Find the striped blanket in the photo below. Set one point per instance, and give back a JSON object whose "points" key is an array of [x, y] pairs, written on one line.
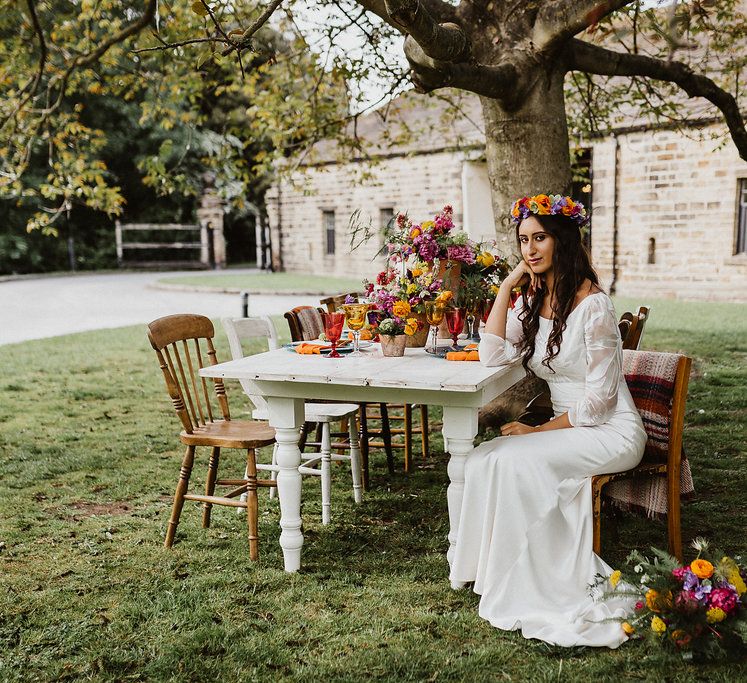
{"points": [[650, 377]]}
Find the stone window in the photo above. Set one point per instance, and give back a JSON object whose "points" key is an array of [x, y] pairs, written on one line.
{"points": [[652, 249], [741, 246], [328, 221], [385, 215]]}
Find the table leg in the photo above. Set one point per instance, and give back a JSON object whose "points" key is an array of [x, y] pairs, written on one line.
{"points": [[287, 416], [460, 429]]}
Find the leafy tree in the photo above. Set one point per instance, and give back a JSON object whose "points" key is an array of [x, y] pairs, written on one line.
{"points": [[521, 58]]}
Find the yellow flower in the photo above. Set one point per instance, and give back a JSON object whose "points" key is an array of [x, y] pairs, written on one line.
{"points": [[658, 625], [415, 232], [627, 628], [730, 570], [417, 272], [427, 225], [494, 289], [411, 326], [445, 296], [401, 309], [411, 288], [714, 615], [615, 577], [485, 259], [703, 569], [652, 600]]}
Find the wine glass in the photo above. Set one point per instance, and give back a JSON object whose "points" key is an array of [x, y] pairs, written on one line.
{"points": [[434, 314], [474, 306], [455, 323], [333, 323], [355, 314]]}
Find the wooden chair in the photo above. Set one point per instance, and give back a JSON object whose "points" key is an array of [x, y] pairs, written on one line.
{"points": [[658, 383], [183, 345], [305, 323], [632, 340], [392, 413], [315, 464]]}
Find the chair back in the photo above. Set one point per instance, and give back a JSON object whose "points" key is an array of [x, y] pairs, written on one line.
{"points": [[305, 323], [624, 327], [184, 344], [632, 339], [239, 330], [658, 384], [334, 302]]}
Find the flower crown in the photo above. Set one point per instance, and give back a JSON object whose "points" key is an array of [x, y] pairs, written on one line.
{"points": [[548, 205]]}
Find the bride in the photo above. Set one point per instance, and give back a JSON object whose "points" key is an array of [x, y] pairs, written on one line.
{"points": [[525, 531]]}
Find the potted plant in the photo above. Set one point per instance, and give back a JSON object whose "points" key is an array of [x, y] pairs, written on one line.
{"points": [[394, 333]]}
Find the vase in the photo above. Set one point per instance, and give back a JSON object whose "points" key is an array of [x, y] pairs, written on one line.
{"points": [[393, 345], [419, 339]]}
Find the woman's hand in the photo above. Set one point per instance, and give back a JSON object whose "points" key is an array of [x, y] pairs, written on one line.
{"points": [[516, 428], [521, 274]]}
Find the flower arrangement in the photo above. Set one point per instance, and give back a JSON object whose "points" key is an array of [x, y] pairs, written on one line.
{"points": [[696, 609], [396, 325], [549, 205], [415, 287]]}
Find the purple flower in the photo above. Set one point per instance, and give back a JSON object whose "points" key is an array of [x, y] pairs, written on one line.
{"points": [[427, 248], [349, 299], [724, 598], [461, 253], [686, 602], [701, 594], [690, 581]]}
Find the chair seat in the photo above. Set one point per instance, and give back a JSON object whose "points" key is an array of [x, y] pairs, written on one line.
{"points": [[317, 412], [231, 434]]}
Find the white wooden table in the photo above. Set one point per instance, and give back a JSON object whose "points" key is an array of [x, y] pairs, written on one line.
{"points": [[285, 379]]}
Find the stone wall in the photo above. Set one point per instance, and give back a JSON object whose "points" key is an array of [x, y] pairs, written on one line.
{"points": [[682, 193], [419, 185]]}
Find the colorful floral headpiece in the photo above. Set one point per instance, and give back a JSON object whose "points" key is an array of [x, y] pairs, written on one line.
{"points": [[549, 205]]}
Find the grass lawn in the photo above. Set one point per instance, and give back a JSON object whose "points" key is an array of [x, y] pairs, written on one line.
{"points": [[88, 462], [272, 283]]}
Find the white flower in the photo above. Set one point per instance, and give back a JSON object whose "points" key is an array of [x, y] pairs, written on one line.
{"points": [[645, 578], [638, 569], [700, 544]]}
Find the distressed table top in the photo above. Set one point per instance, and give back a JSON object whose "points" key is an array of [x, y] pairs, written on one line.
{"points": [[416, 370]]}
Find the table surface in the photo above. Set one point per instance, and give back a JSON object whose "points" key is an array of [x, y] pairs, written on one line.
{"points": [[415, 370]]}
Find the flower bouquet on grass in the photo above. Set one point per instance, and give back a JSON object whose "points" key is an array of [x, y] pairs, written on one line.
{"points": [[696, 610]]}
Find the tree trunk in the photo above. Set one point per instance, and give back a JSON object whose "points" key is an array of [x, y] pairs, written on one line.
{"points": [[527, 150], [527, 153]]}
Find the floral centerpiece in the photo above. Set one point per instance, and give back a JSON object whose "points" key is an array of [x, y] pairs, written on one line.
{"points": [[695, 609]]}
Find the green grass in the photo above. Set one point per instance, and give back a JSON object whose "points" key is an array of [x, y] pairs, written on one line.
{"points": [[88, 461], [277, 283]]}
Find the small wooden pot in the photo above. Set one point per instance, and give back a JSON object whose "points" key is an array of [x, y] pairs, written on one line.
{"points": [[393, 345]]}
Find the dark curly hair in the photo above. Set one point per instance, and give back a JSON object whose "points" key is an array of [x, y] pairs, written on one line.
{"points": [[571, 266]]}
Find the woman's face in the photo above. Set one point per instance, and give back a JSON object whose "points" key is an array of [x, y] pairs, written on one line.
{"points": [[537, 245]]}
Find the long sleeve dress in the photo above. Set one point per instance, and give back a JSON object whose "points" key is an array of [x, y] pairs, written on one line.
{"points": [[525, 530]]}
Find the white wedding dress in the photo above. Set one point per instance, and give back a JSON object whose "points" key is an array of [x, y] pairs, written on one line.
{"points": [[525, 530]]}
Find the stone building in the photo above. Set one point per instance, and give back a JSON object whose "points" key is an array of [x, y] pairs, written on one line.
{"points": [[669, 211]]}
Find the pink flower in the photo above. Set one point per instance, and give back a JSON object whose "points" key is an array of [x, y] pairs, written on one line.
{"points": [[686, 601], [724, 598], [639, 605], [461, 253], [679, 573]]}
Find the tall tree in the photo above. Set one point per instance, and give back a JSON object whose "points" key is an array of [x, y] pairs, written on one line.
{"points": [[514, 55]]}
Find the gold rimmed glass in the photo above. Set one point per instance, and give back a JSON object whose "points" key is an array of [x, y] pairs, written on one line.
{"points": [[355, 316], [434, 314]]}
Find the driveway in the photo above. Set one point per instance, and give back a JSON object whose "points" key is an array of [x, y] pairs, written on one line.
{"points": [[51, 306]]}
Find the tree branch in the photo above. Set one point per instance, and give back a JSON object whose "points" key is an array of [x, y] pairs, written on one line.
{"points": [[598, 60], [560, 20], [445, 42]]}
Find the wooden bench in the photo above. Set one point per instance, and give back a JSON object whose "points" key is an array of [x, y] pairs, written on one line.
{"points": [[179, 229]]}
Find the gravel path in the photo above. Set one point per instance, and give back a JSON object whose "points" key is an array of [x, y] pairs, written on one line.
{"points": [[51, 306]]}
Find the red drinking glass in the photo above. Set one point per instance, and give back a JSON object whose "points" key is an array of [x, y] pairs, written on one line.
{"points": [[455, 323], [333, 323]]}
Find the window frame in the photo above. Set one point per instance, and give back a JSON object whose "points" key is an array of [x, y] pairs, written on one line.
{"points": [[329, 232]]}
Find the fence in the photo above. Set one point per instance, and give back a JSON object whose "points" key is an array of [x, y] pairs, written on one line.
{"points": [[203, 245]]}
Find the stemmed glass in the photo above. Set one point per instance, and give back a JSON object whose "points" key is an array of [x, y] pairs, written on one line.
{"points": [[474, 307], [455, 323], [333, 323], [355, 314], [434, 314]]}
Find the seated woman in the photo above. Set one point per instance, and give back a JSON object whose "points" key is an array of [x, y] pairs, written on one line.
{"points": [[525, 532]]}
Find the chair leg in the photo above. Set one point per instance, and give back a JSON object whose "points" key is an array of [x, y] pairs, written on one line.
{"points": [[326, 452], [387, 437], [424, 435], [596, 503], [673, 515], [304, 436], [408, 436], [212, 475], [274, 489], [252, 504], [181, 489], [363, 433], [355, 459]]}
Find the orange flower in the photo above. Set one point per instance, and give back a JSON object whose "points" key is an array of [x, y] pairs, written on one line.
{"points": [[401, 309], [568, 208], [627, 628], [415, 232], [543, 202], [703, 569], [417, 272]]}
